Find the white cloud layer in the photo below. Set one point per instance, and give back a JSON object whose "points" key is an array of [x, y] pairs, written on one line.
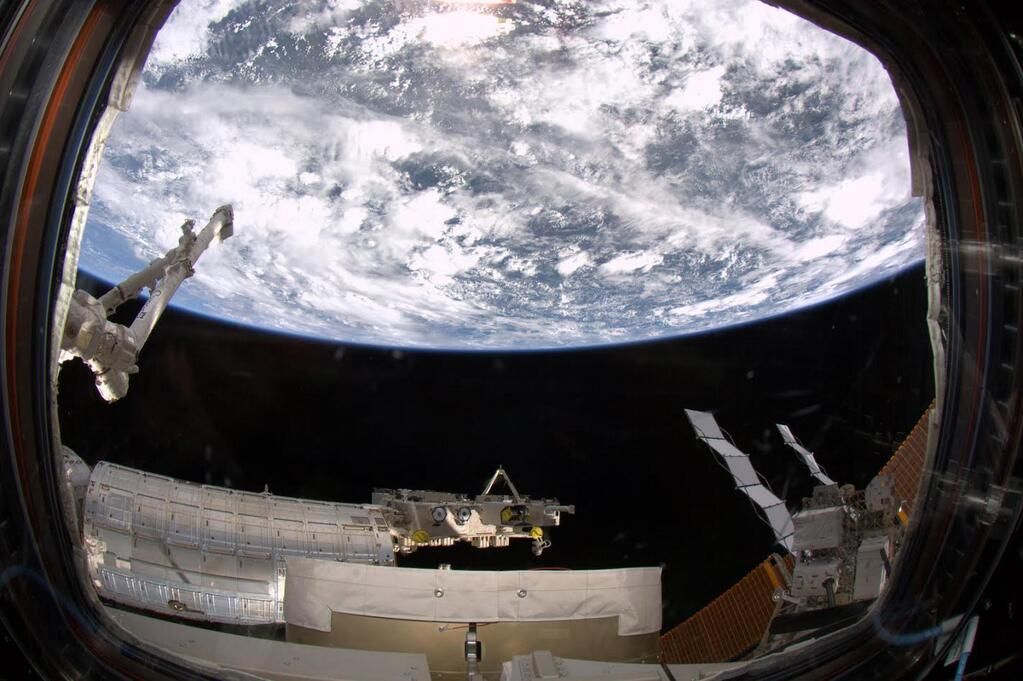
{"points": [[528, 176]]}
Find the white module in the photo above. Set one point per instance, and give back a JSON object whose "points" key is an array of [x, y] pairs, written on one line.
{"points": [[820, 528], [871, 573], [211, 553]]}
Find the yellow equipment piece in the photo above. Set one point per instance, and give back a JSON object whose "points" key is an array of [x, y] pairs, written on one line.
{"points": [[421, 537], [536, 533]]}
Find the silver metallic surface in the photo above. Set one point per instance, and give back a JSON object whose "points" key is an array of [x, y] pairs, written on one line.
{"points": [[871, 574], [820, 528], [808, 578], [211, 553], [473, 649]]}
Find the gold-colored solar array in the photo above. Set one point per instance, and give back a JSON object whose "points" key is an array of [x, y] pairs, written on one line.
{"points": [[731, 624], [735, 622], [906, 466]]}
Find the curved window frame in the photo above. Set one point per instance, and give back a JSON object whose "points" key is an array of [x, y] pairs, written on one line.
{"points": [[71, 67]]}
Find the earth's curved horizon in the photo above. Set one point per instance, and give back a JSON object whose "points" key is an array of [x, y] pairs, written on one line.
{"points": [[520, 350], [539, 175]]}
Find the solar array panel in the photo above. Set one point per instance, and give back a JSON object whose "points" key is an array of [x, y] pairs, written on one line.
{"points": [[732, 624], [806, 455], [746, 479]]}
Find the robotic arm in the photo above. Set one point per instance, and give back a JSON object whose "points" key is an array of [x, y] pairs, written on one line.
{"points": [[111, 350]]}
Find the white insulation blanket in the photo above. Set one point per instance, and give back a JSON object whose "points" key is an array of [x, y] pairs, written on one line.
{"points": [[316, 588]]}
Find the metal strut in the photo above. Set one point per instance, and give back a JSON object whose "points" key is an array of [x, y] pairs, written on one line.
{"points": [[473, 654], [501, 473]]}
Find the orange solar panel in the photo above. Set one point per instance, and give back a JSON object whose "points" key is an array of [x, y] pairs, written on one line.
{"points": [[906, 466], [732, 623]]}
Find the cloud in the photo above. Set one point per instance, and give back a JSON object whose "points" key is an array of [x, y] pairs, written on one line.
{"points": [[876, 182], [514, 177], [186, 34], [570, 264], [627, 263], [701, 90]]}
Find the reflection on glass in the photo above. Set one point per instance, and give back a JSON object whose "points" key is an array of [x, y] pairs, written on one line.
{"points": [[414, 180]]}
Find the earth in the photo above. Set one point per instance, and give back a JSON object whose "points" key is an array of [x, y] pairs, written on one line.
{"points": [[508, 175]]}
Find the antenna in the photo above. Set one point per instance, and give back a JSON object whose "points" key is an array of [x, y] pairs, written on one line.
{"points": [[806, 455], [746, 479]]}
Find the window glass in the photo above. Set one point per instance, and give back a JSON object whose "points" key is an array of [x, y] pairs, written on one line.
{"points": [[545, 291]]}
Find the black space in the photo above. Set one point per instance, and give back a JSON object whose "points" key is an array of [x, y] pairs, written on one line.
{"points": [[602, 429]]}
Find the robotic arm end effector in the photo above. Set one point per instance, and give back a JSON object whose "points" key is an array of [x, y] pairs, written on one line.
{"points": [[110, 349]]}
